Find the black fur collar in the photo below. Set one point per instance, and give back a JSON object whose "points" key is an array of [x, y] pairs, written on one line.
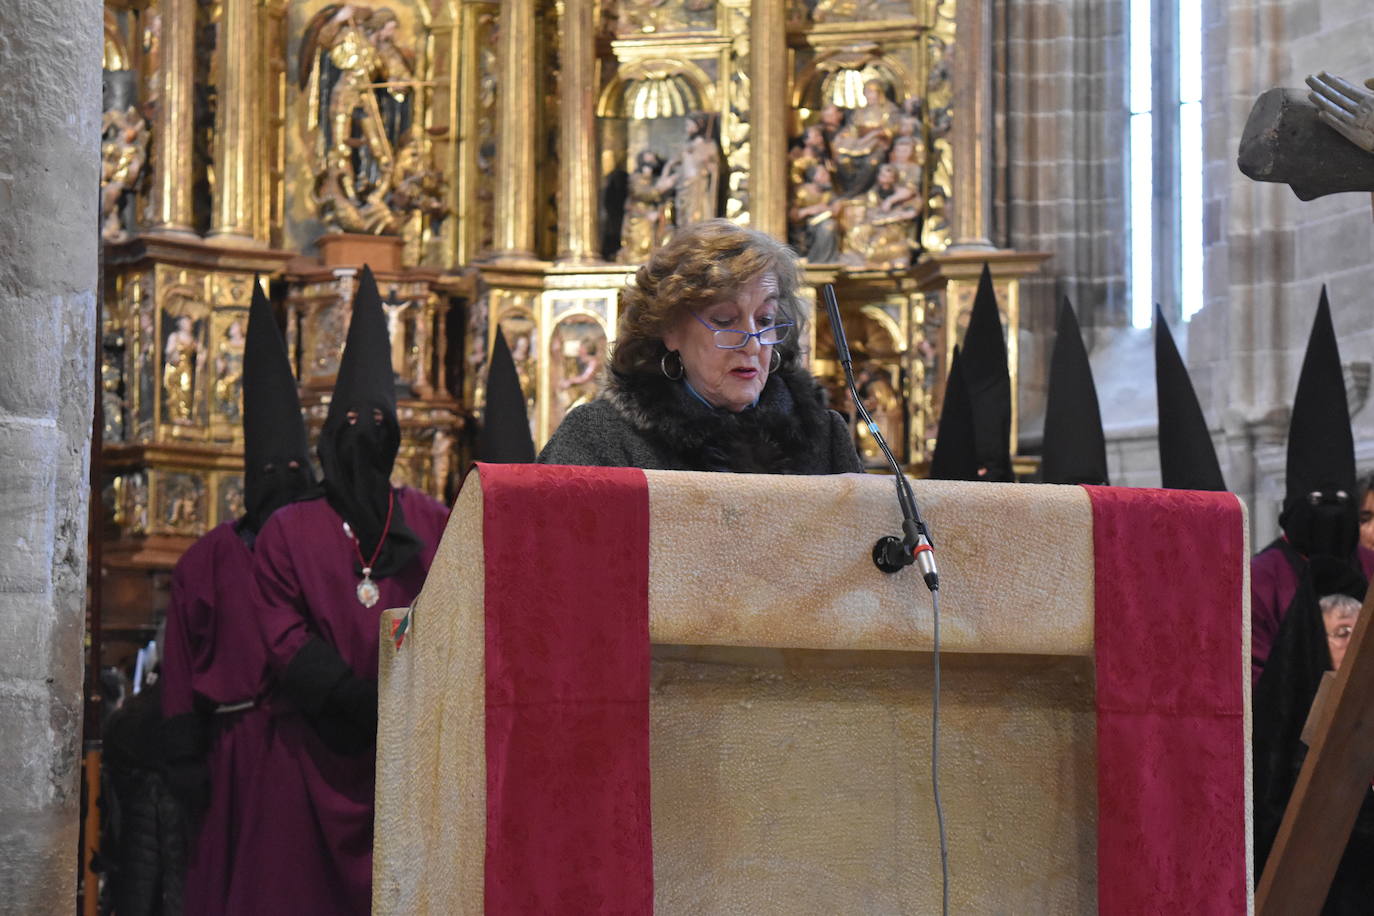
{"points": [[781, 435]]}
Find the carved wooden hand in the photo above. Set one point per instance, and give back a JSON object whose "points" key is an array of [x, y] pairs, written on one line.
{"points": [[1345, 107]]}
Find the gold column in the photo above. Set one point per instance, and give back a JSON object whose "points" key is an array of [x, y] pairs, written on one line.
{"points": [[577, 241], [234, 208], [172, 145], [971, 134], [517, 109], [768, 117]]}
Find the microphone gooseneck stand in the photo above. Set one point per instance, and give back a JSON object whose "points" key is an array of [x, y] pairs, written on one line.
{"points": [[892, 553]]}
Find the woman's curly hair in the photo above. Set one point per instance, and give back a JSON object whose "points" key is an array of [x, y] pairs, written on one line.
{"points": [[702, 264]]}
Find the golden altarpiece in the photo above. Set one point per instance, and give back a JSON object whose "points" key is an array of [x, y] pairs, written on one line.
{"points": [[503, 167]]}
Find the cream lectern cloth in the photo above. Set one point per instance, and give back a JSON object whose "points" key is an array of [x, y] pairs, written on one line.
{"points": [[790, 704]]}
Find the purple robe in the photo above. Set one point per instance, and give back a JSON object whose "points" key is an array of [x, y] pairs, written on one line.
{"points": [[1272, 586], [316, 832], [213, 658]]}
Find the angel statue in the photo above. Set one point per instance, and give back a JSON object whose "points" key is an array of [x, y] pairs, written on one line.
{"points": [[361, 87]]}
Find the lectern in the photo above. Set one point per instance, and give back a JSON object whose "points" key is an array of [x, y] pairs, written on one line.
{"points": [[626, 691]]}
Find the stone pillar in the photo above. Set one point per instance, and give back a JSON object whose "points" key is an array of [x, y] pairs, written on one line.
{"points": [[972, 130], [172, 142], [577, 178], [517, 111], [50, 131], [237, 126], [768, 117]]}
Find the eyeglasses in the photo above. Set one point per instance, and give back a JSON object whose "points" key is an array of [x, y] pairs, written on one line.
{"points": [[727, 339]]}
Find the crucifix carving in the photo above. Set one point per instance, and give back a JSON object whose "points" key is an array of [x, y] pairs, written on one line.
{"points": [[395, 306]]}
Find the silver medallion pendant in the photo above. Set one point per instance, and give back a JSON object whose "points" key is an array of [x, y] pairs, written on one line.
{"points": [[368, 593]]}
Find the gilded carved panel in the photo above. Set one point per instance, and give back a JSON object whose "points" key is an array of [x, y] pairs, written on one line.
{"points": [[634, 18], [672, 133], [360, 130], [862, 190]]}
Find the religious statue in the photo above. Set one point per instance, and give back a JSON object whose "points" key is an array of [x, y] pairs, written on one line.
{"points": [[395, 308], [858, 184], [910, 174], [231, 497], [360, 88], [814, 149], [1345, 107], [123, 153], [522, 354], [862, 144], [182, 509], [229, 372], [576, 355], [418, 196], [181, 360], [694, 174], [812, 228], [884, 404], [579, 386], [646, 223], [647, 16], [883, 236]]}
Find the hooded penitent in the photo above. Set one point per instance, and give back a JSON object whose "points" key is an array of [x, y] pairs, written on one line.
{"points": [[1075, 450], [1282, 700], [989, 382], [1319, 511], [956, 450], [1187, 458], [505, 434], [276, 455], [361, 436]]}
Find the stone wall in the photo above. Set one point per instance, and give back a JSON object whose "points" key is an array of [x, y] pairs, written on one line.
{"points": [[1060, 120], [49, 174]]}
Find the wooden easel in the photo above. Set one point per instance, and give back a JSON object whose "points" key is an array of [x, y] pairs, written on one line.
{"points": [[1331, 787]]}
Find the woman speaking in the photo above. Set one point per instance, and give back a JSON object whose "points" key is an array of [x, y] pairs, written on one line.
{"points": [[706, 372]]}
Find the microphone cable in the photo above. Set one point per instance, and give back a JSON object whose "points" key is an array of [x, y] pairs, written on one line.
{"points": [[916, 546], [935, 756]]}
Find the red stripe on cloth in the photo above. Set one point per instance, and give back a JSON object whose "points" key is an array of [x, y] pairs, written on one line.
{"points": [[567, 688], [1170, 717]]}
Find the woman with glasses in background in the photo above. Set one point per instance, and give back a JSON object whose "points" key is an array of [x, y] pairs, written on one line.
{"points": [[706, 374]]}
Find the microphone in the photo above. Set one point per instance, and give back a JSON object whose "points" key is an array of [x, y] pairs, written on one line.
{"points": [[891, 553]]}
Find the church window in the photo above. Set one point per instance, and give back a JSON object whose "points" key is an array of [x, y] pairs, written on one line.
{"points": [[1165, 158]]}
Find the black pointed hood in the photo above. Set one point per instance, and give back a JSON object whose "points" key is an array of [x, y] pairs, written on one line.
{"points": [[989, 381], [505, 434], [1321, 451], [956, 449], [1075, 449], [273, 428], [357, 456], [1187, 458]]}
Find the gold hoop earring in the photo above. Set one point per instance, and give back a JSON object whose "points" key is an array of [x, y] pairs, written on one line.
{"points": [[774, 361], [663, 365]]}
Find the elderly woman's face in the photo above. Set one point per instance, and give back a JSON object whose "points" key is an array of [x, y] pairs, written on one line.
{"points": [[1339, 622], [731, 379]]}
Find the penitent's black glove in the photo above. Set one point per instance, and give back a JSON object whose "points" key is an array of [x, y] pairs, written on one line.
{"points": [[341, 706]]}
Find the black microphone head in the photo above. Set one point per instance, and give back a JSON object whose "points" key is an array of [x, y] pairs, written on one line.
{"points": [[832, 308]]}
